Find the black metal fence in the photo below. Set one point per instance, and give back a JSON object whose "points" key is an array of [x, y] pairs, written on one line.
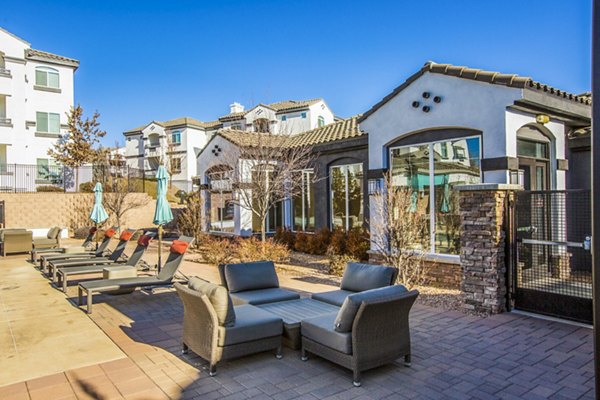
{"points": [[24, 178], [553, 266]]}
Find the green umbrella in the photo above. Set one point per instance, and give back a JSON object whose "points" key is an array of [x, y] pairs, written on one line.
{"points": [[162, 214], [98, 214]]}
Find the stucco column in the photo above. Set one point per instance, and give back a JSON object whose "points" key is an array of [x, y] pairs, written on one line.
{"points": [[483, 246]]}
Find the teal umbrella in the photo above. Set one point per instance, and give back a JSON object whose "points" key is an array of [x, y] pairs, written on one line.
{"points": [[98, 214], [162, 214]]}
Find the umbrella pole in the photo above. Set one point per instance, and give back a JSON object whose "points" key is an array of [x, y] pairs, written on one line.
{"points": [[96, 235], [159, 247]]}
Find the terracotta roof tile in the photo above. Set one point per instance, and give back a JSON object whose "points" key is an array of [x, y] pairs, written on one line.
{"points": [[33, 54]]}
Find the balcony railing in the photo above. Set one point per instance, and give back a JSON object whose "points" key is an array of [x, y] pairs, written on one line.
{"points": [[4, 71], [5, 121], [153, 152]]}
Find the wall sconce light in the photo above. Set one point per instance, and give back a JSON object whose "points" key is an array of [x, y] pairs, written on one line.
{"points": [[426, 109], [426, 95], [437, 99], [416, 104], [542, 119]]}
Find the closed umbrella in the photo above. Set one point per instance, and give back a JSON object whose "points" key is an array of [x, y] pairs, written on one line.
{"points": [[98, 214], [162, 214]]}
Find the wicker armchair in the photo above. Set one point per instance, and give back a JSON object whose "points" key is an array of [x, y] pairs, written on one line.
{"points": [[380, 334], [254, 330], [15, 241]]}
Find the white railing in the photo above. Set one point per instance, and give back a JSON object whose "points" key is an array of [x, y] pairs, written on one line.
{"points": [[5, 121], [4, 71]]}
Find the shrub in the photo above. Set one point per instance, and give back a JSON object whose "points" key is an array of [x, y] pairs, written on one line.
{"points": [[190, 219], [218, 251], [302, 243], [357, 244], [337, 245], [252, 249], [285, 236], [337, 263], [320, 241], [49, 188], [86, 187]]}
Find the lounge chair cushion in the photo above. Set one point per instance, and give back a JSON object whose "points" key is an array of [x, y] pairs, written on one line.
{"points": [[126, 235], [144, 240], [53, 232], [320, 329], [360, 277], [251, 276], [105, 285], [263, 296], [346, 315], [110, 232], [335, 297], [218, 297], [42, 241], [251, 323], [179, 246]]}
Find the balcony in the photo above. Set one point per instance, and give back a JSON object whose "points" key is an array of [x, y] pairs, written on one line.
{"points": [[7, 122], [5, 72], [153, 152]]}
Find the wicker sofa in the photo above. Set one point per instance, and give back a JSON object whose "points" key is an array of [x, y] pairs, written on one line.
{"points": [[358, 278], [371, 329], [15, 241], [254, 283], [217, 331]]}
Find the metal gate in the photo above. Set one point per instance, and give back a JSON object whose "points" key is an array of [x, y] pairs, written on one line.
{"points": [[551, 268]]}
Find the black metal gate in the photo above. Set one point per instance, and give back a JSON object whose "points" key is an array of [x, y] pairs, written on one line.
{"points": [[551, 268]]}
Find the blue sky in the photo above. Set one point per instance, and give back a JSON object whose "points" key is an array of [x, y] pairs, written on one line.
{"points": [[160, 60]]}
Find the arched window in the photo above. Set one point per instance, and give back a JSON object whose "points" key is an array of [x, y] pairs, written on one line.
{"points": [[320, 121], [221, 205], [47, 77], [154, 140]]}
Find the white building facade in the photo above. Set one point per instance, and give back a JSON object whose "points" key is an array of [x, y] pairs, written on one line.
{"points": [[36, 93]]}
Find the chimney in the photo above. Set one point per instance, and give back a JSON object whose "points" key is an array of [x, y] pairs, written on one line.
{"points": [[235, 108]]}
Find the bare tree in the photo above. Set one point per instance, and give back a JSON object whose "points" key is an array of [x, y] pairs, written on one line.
{"points": [[118, 200], [265, 170], [190, 219], [399, 231]]}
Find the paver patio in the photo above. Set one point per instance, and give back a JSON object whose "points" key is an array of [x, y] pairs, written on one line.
{"points": [[455, 356]]}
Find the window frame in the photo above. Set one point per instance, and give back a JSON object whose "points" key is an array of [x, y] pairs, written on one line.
{"points": [[37, 122], [47, 71], [303, 197], [432, 196], [178, 142], [320, 121], [173, 169], [345, 167]]}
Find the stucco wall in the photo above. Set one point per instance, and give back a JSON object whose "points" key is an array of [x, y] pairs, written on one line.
{"points": [[43, 210]]}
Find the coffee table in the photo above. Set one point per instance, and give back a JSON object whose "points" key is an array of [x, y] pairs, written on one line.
{"points": [[292, 312]]}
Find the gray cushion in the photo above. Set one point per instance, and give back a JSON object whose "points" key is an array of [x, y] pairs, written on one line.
{"points": [[346, 315], [218, 297], [320, 329], [335, 297], [53, 232], [251, 276], [264, 296], [359, 277], [251, 323]]}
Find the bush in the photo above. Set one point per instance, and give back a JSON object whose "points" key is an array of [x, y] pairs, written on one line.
{"points": [[49, 188], [358, 244], [252, 249], [285, 236], [302, 243], [86, 187], [337, 245], [218, 251], [190, 219], [320, 241], [337, 263]]}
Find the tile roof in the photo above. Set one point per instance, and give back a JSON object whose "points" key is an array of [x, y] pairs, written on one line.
{"points": [[280, 106], [345, 129], [492, 77], [186, 121], [38, 54]]}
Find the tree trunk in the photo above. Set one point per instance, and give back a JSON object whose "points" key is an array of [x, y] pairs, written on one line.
{"points": [[263, 229]]}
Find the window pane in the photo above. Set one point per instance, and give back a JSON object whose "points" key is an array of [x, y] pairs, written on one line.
{"points": [[41, 78], [53, 123], [309, 202], [338, 197], [410, 169], [42, 168], [297, 212], [221, 212], [460, 168], [355, 196], [526, 148], [53, 80], [41, 121]]}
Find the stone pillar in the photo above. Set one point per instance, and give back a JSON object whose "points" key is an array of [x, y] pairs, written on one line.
{"points": [[483, 246]]}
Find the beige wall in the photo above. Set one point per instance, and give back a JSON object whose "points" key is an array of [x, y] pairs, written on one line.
{"points": [[69, 210]]}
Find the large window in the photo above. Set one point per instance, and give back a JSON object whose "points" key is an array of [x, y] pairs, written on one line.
{"points": [[47, 77], [222, 206], [432, 171], [43, 168], [346, 196], [47, 122], [176, 138], [303, 204], [176, 165], [263, 173]]}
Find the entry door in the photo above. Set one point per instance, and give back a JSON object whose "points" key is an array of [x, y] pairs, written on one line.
{"points": [[535, 173]]}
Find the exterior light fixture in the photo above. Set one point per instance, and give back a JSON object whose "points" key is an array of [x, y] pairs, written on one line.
{"points": [[416, 104], [426, 109], [542, 119], [426, 95], [437, 99]]}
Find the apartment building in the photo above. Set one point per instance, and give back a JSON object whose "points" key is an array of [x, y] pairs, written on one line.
{"points": [[36, 93]]}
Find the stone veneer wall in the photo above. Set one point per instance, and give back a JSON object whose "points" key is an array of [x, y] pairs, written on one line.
{"points": [[43, 210], [439, 274], [483, 246]]}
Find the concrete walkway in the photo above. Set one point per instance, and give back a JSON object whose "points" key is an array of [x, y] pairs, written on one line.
{"points": [[41, 333]]}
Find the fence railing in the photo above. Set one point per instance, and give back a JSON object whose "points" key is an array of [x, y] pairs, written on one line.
{"points": [[27, 178]]}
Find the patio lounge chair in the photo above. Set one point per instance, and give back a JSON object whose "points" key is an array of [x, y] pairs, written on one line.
{"points": [[114, 256], [358, 278], [164, 278], [371, 329], [99, 252], [254, 283], [94, 268], [61, 250], [50, 241], [217, 331], [15, 241]]}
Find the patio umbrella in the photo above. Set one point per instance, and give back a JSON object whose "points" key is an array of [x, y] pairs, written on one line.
{"points": [[162, 214], [98, 214]]}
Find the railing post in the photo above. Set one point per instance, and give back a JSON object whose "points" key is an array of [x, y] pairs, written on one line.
{"points": [[15, 175], [64, 174], [144, 180]]}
